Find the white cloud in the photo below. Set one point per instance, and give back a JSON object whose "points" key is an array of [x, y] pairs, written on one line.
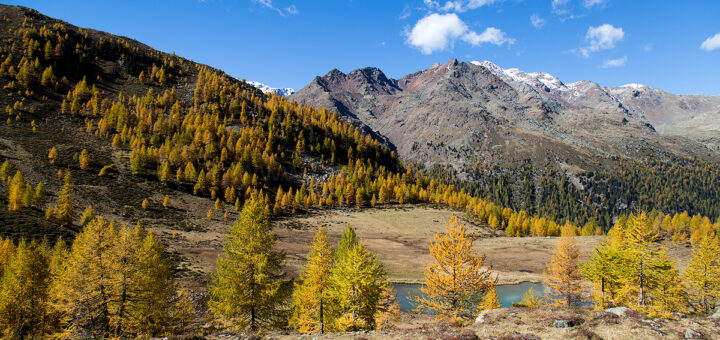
{"points": [[537, 21], [602, 37], [592, 3], [472, 4], [458, 6], [647, 47], [436, 32], [559, 6], [711, 43], [568, 9], [291, 10], [490, 35], [614, 62]]}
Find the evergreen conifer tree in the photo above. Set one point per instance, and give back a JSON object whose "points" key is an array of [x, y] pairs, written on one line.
{"points": [[246, 286], [311, 296]]}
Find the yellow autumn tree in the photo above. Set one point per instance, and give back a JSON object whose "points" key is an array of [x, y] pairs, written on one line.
{"points": [[358, 283], [457, 280], [310, 297], [87, 215], [65, 208], [246, 286], [24, 297], [633, 270], [84, 159], [562, 275], [703, 276], [530, 300], [52, 155], [16, 192], [604, 269], [490, 300]]}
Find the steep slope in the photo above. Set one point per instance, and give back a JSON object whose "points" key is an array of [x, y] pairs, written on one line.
{"points": [[465, 113], [155, 125]]}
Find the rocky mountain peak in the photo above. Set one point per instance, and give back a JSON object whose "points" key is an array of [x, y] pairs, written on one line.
{"points": [[446, 113]]}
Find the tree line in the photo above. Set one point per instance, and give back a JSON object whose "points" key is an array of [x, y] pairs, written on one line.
{"points": [[677, 184]]}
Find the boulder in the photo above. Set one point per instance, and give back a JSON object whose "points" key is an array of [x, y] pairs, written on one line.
{"points": [[619, 311], [481, 317], [652, 324], [691, 334], [715, 315], [567, 323]]}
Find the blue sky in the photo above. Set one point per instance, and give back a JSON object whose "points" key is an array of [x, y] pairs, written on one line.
{"points": [[671, 45]]}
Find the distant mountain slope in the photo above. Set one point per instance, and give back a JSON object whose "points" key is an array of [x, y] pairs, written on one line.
{"points": [[465, 113]]}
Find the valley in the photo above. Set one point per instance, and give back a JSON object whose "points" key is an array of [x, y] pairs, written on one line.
{"points": [[145, 195]]}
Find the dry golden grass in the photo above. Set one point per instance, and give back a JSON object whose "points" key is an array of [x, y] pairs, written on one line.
{"points": [[524, 323]]}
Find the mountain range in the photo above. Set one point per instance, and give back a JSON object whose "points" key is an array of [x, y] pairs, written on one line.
{"points": [[465, 113]]}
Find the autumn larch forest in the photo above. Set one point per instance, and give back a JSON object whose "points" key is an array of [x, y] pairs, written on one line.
{"points": [[146, 195]]}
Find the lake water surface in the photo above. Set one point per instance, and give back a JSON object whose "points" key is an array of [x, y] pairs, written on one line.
{"points": [[508, 294]]}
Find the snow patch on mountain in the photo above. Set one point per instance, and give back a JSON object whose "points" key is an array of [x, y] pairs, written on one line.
{"points": [[286, 91], [634, 86], [535, 79]]}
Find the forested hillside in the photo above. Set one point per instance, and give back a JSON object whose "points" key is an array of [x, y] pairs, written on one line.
{"points": [[114, 111], [673, 186]]}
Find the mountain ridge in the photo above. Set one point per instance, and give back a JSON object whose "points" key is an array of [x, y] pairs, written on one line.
{"points": [[520, 103]]}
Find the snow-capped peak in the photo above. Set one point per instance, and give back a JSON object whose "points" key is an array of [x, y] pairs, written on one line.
{"points": [[634, 86], [267, 89], [533, 79], [537, 78], [497, 70]]}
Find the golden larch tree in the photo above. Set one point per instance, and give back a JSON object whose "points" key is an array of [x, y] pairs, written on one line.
{"points": [[84, 160], [24, 292], [562, 275], [245, 289], [16, 191], [457, 280], [490, 300], [65, 207], [702, 276], [310, 297], [52, 155], [358, 283]]}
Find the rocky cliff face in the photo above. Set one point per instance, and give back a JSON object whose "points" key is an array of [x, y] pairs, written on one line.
{"points": [[465, 113]]}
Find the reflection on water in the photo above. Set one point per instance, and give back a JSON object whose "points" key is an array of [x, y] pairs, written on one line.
{"points": [[508, 294]]}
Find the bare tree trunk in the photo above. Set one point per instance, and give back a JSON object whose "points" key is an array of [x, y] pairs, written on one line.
{"points": [[121, 312], [252, 306], [641, 301], [322, 320]]}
